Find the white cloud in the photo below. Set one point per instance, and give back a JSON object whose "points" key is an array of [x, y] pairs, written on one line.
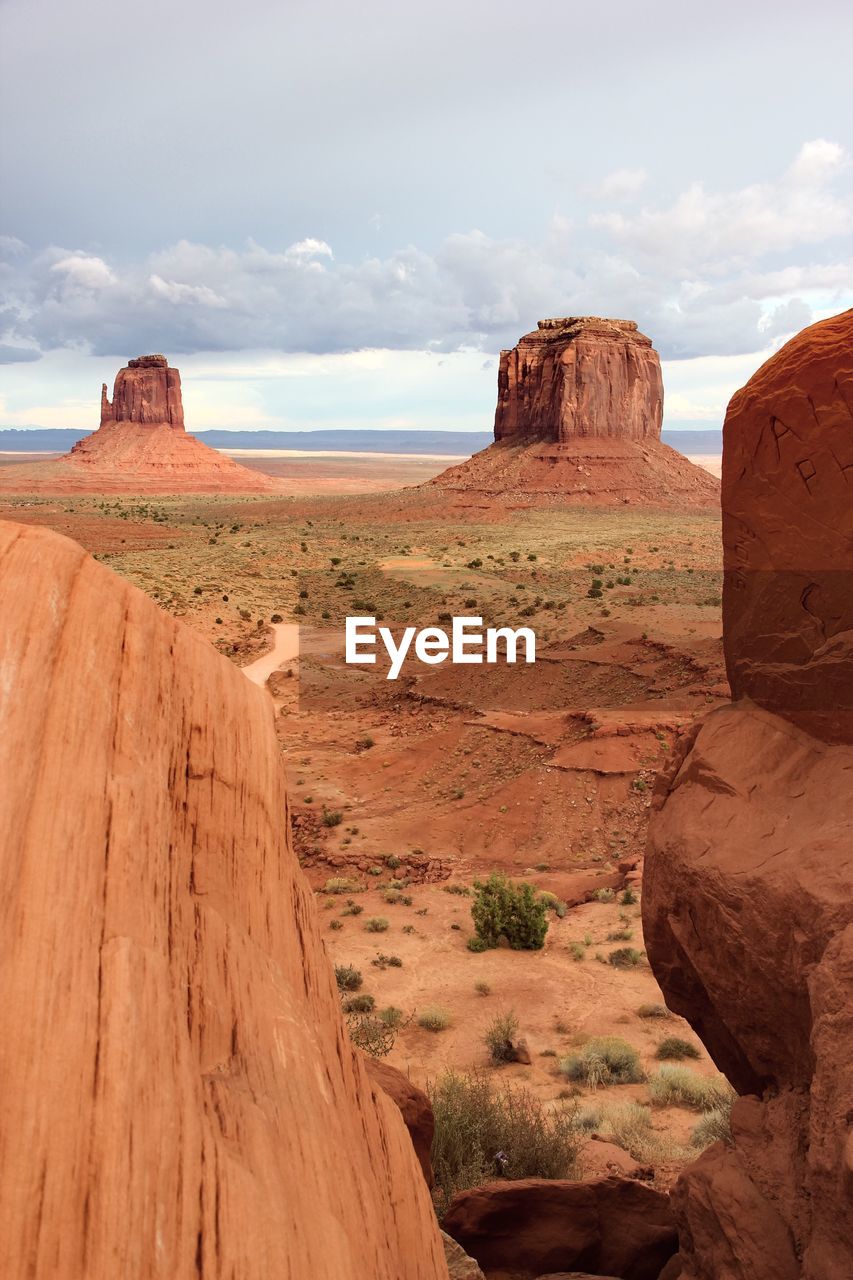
{"points": [[85, 271], [706, 273], [622, 182]]}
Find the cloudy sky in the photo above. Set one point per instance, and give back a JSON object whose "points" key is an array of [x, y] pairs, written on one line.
{"points": [[336, 214]]}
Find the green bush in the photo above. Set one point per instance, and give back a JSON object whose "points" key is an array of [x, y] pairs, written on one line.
{"points": [[347, 977], [681, 1087], [435, 1018], [499, 1037], [392, 1016], [483, 1132], [514, 912], [604, 1060], [477, 944], [625, 957], [675, 1048]]}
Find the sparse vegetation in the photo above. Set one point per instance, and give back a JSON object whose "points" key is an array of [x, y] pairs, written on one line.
{"points": [[653, 1011], [484, 1132], [682, 1087], [675, 1048], [499, 1037], [625, 958], [376, 924], [435, 1018], [482, 988], [714, 1126], [604, 1060], [362, 1003], [348, 977]]}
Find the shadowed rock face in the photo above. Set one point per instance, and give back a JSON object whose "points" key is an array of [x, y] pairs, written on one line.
{"points": [[146, 390], [787, 499], [180, 1098], [748, 880], [581, 377]]}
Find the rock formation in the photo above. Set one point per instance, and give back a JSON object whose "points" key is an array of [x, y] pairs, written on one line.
{"points": [[748, 883], [180, 1097], [788, 532], [611, 1226], [147, 390], [140, 446], [578, 378], [578, 419]]}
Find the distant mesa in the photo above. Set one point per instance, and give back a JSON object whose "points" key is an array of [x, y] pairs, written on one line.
{"points": [[578, 419], [141, 446]]}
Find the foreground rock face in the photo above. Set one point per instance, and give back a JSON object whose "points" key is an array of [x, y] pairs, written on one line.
{"points": [[748, 888], [179, 1094], [578, 420], [414, 1106], [788, 532], [580, 377], [610, 1226]]}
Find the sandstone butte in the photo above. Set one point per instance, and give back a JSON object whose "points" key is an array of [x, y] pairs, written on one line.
{"points": [[180, 1098], [141, 446], [748, 881], [578, 420]]}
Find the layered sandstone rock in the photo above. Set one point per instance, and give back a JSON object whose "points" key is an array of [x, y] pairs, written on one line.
{"points": [[140, 447], [612, 1226], [577, 378], [179, 1094], [578, 420], [146, 390], [748, 883], [788, 531]]}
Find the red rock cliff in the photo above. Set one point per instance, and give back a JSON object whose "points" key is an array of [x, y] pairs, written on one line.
{"points": [[788, 531], [748, 881], [180, 1098], [580, 377], [146, 390]]}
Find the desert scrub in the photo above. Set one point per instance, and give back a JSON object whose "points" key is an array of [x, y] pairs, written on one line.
{"points": [[578, 950], [331, 817], [362, 1003], [604, 1060], [653, 1011], [603, 895], [392, 1017], [482, 988], [714, 1126], [341, 884], [625, 957], [681, 1087], [674, 1048], [376, 924], [347, 977], [551, 902], [371, 1033], [483, 1132], [435, 1018], [501, 909], [352, 909], [381, 961], [499, 1036]]}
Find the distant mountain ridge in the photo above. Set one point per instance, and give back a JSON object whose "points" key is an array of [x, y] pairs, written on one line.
{"points": [[60, 440]]}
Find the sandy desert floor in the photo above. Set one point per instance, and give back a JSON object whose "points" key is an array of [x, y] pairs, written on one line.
{"points": [[406, 791]]}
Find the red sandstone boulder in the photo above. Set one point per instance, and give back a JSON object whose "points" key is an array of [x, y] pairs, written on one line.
{"points": [[748, 880], [788, 532], [180, 1097], [414, 1106], [611, 1226]]}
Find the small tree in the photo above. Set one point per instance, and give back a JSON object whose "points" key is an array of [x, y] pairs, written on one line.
{"points": [[501, 908]]}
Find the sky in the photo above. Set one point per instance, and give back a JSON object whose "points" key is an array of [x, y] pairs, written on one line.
{"points": [[337, 214]]}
